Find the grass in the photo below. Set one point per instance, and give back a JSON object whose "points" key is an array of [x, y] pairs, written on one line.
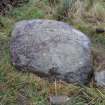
{"points": [[17, 88]]}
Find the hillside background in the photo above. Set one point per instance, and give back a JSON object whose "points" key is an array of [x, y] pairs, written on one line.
{"points": [[17, 88]]}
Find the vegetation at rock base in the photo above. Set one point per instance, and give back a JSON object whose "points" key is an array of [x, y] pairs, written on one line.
{"points": [[17, 88]]}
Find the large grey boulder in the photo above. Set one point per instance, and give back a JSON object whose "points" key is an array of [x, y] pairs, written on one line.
{"points": [[99, 66], [51, 48]]}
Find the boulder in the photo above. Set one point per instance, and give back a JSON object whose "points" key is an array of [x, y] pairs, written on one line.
{"points": [[51, 48]]}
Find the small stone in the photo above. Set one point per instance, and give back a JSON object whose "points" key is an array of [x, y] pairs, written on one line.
{"points": [[100, 78], [52, 49], [58, 100]]}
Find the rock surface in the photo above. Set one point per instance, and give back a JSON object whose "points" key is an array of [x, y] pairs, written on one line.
{"points": [[100, 78], [58, 100], [51, 48], [99, 66]]}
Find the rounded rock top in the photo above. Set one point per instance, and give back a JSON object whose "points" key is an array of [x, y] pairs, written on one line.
{"points": [[53, 49]]}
